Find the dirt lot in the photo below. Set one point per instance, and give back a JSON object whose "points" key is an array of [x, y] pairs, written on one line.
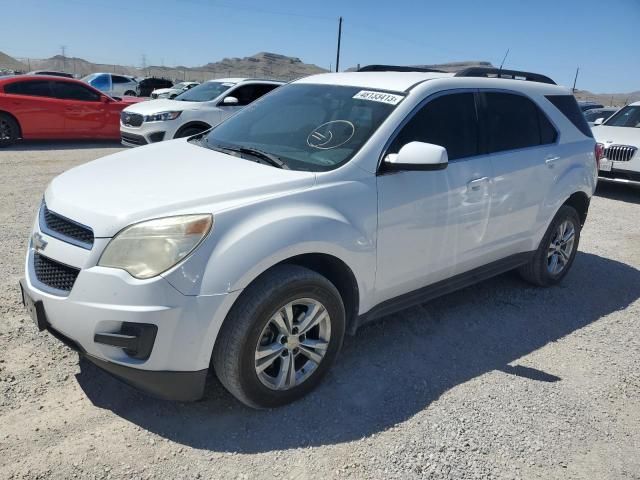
{"points": [[500, 380]]}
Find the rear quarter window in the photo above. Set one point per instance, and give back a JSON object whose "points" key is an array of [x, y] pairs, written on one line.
{"points": [[568, 106]]}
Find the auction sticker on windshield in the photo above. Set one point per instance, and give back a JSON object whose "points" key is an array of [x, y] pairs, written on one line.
{"points": [[372, 96]]}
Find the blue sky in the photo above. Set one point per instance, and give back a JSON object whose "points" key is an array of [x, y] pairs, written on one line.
{"points": [[551, 37]]}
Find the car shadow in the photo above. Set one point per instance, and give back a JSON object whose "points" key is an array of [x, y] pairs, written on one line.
{"points": [[394, 368], [618, 191], [39, 145]]}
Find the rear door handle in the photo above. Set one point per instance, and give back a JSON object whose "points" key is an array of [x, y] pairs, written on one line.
{"points": [[475, 184], [550, 160]]}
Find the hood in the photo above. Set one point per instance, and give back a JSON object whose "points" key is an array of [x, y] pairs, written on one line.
{"points": [[130, 100], [163, 105], [160, 91], [167, 178], [618, 135]]}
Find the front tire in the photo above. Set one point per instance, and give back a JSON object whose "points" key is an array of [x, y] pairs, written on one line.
{"points": [[9, 130], [190, 131], [280, 338], [557, 250]]}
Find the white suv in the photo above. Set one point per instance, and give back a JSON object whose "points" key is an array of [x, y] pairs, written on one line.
{"points": [[194, 111], [337, 199], [619, 139]]}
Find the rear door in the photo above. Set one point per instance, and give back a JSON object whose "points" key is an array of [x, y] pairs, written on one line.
{"points": [[40, 114], [433, 224], [522, 143], [84, 113]]}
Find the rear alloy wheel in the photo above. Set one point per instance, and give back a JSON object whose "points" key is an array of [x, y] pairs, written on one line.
{"points": [[280, 338], [557, 250], [9, 130]]}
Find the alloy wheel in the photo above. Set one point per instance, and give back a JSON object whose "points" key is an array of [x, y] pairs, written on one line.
{"points": [[561, 247], [292, 344]]}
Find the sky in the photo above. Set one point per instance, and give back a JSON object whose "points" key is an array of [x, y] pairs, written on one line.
{"points": [[552, 37]]}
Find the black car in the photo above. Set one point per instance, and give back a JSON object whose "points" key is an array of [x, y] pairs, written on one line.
{"points": [[586, 105], [148, 85], [51, 72]]}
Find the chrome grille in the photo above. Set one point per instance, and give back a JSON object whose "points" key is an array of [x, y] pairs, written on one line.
{"points": [[54, 274], [619, 153], [64, 229], [131, 119]]}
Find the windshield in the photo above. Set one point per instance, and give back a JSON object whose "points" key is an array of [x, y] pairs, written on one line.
{"points": [[180, 85], [89, 77], [204, 92], [627, 117], [308, 127], [593, 115]]}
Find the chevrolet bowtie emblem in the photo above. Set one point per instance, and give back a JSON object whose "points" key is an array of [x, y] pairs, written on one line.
{"points": [[38, 242]]}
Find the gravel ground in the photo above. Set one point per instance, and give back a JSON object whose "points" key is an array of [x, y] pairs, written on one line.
{"points": [[500, 380]]}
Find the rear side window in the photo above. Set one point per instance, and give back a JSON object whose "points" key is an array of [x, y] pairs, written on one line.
{"points": [[514, 121], [569, 107], [73, 91], [118, 79], [37, 88], [449, 121]]}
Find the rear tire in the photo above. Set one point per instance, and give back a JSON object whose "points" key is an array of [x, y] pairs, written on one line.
{"points": [[9, 130], [557, 250], [130, 93], [280, 338]]}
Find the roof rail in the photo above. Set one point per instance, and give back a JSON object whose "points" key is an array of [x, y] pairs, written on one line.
{"points": [[489, 72], [396, 68]]}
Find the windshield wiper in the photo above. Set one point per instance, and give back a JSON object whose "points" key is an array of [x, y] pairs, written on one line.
{"points": [[268, 158]]}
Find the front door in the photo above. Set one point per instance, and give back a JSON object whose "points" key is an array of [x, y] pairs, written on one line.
{"points": [[433, 224]]}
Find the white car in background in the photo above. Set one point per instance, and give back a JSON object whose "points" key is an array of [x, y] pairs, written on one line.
{"points": [[112, 84], [174, 91], [619, 138], [191, 112], [595, 114]]}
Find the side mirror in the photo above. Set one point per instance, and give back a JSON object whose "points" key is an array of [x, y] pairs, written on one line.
{"points": [[230, 101], [105, 99], [599, 121], [418, 156]]}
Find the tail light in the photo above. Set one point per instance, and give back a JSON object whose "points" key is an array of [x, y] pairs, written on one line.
{"points": [[599, 153]]}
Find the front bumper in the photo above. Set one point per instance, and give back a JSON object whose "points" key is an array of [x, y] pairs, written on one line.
{"points": [[166, 385], [105, 302], [151, 132], [621, 176]]}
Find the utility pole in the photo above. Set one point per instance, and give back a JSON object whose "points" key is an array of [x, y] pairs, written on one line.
{"points": [[63, 48], [144, 62], [339, 38], [575, 79]]}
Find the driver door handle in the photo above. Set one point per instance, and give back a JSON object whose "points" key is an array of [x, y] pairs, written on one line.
{"points": [[551, 159], [475, 184]]}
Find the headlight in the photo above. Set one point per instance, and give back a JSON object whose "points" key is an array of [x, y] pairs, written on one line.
{"points": [[149, 248], [162, 116]]}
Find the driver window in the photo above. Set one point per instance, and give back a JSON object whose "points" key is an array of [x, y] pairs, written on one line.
{"points": [[449, 121]]}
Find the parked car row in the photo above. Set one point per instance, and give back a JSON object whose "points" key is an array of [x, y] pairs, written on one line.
{"points": [[36, 107]]}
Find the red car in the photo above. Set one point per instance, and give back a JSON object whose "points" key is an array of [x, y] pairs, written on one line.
{"points": [[47, 107]]}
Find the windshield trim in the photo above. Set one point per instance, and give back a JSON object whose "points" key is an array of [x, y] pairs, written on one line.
{"points": [[619, 113], [352, 155]]}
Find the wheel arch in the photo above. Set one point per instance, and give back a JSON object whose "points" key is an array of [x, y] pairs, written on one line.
{"points": [[194, 123], [15, 119], [580, 201]]}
